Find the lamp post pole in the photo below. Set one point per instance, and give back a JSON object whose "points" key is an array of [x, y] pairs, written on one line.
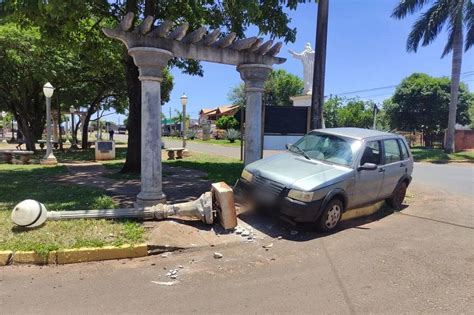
{"points": [[184, 101], [49, 157], [4, 115]]}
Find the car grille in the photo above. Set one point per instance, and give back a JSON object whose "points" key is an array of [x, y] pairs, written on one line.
{"points": [[268, 185]]}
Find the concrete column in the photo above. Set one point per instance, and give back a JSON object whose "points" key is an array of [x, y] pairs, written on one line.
{"points": [[254, 76], [150, 62]]}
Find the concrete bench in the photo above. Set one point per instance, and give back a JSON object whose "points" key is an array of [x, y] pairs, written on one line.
{"points": [[42, 143], [25, 156], [171, 153]]}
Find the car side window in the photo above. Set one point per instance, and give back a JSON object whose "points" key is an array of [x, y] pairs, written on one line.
{"points": [[391, 151], [405, 154], [371, 153]]}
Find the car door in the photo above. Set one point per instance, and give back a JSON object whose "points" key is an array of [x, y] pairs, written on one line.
{"points": [[368, 182], [393, 167]]}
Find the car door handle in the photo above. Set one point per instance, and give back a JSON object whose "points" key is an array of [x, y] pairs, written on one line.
{"points": [[381, 170], [402, 165]]}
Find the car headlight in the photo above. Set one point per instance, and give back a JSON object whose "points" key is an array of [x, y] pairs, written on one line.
{"points": [[247, 175], [305, 196]]}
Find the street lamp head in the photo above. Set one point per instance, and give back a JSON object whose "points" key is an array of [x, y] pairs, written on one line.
{"points": [[4, 114], [48, 90], [72, 109], [184, 99]]}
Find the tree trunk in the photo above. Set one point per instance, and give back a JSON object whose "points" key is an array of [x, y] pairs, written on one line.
{"points": [[85, 129], [455, 78], [133, 159], [317, 99], [28, 135]]}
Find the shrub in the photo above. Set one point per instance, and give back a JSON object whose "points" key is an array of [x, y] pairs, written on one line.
{"points": [[191, 134], [232, 135], [227, 122]]}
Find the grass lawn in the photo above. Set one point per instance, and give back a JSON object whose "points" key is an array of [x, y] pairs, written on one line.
{"points": [[19, 182], [437, 155], [218, 168], [221, 142]]}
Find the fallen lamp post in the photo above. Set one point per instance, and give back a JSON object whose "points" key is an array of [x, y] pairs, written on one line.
{"points": [[31, 213]]}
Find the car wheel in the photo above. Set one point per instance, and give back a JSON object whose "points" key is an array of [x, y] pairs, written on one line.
{"points": [[331, 216], [398, 196]]}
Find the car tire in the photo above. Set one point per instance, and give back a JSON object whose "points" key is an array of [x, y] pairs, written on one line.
{"points": [[331, 215], [398, 196]]}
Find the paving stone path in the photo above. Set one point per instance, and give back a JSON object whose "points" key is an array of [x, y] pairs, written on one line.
{"points": [[179, 184]]}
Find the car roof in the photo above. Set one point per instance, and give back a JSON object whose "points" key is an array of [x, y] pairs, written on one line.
{"points": [[356, 133]]}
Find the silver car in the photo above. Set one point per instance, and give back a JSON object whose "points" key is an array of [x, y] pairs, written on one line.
{"points": [[330, 171]]}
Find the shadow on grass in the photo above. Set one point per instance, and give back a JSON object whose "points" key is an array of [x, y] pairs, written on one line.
{"points": [[20, 182]]}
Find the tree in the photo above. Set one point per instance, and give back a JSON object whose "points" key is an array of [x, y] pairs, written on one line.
{"points": [[340, 112], [23, 77], [421, 103], [279, 86], [60, 18], [227, 122], [457, 14]]}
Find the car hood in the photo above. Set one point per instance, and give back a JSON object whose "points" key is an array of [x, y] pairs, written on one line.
{"points": [[294, 171]]}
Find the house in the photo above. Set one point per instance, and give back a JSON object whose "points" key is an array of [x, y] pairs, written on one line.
{"points": [[214, 114]]}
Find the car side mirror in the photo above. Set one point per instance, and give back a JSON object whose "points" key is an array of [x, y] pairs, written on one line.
{"points": [[367, 167], [288, 146]]}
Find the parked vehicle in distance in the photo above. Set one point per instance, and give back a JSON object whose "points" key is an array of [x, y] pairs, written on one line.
{"points": [[330, 171], [122, 130]]}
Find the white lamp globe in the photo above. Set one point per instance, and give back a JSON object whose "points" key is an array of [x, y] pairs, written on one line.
{"points": [[184, 99], [29, 213], [48, 90]]}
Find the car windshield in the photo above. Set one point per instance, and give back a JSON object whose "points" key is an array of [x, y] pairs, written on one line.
{"points": [[327, 148]]}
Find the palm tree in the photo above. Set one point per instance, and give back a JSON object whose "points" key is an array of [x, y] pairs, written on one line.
{"points": [[458, 15]]}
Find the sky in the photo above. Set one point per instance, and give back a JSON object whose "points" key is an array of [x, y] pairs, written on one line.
{"points": [[366, 49]]}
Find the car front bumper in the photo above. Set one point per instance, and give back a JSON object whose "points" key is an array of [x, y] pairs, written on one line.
{"points": [[298, 211]]}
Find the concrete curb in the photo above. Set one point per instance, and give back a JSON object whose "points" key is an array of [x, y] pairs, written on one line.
{"points": [[76, 255]]}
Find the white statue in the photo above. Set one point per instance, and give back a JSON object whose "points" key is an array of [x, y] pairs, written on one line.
{"points": [[307, 58]]}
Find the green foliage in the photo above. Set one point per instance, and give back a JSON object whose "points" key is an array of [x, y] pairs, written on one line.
{"points": [[437, 155], [421, 103], [278, 89], [279, 86], [232, 135], [227, 122], [191, 134], [340, 112], [457, 14]]}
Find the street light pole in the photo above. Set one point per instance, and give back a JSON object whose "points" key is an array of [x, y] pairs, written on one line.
{"points": [[49, 158], [184, 101], [4, 115]]}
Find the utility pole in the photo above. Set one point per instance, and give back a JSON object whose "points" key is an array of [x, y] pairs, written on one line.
{"points": [[376, 109], [317, 99]]}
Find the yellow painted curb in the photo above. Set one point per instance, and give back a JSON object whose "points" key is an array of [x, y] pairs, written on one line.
{"points": [[5, 257], [69, 256], [30, 257], [362, 212]]}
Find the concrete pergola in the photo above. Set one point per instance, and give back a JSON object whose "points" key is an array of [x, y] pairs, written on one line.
{"points": [[153, 46]]}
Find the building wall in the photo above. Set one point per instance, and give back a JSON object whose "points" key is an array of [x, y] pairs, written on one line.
{"points": [[464, 140]]}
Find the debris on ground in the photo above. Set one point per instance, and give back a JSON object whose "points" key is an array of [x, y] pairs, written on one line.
{"points": [[268, 246], [165, 283], [165, 255], [218, 255], [280, 237]]}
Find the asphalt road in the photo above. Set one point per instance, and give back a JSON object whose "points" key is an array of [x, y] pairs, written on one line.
{"points": [[419, 260]]}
